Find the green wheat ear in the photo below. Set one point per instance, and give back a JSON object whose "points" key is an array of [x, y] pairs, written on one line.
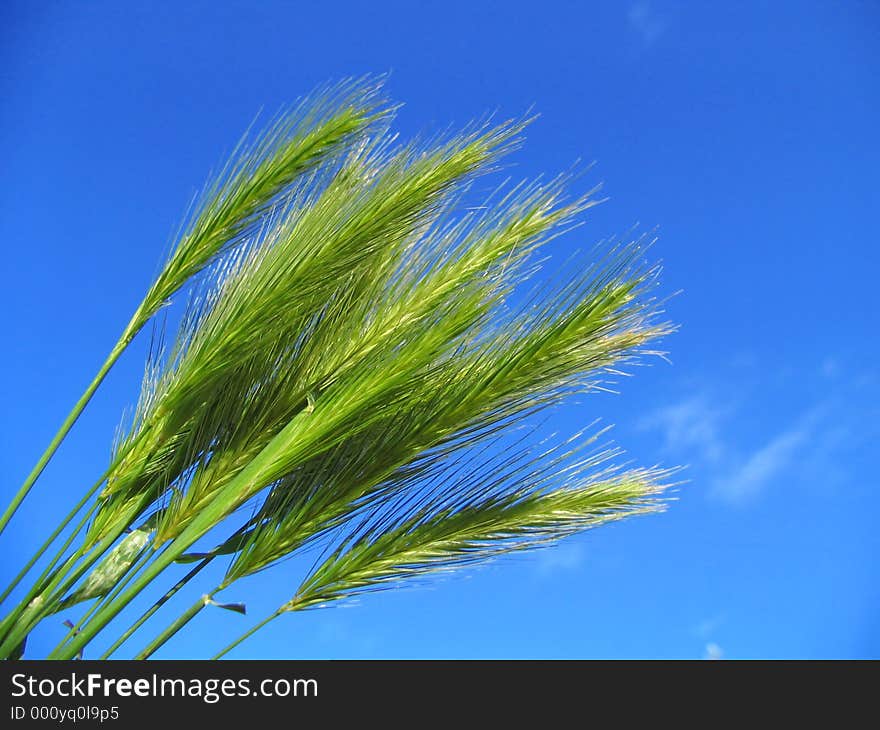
{"points": [[355, 373], [260, 174], [257, 178]]}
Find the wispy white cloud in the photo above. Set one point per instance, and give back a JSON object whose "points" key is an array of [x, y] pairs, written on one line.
{"points": [[709, 626], [691, 425], [713, 651], [765, 464], [565, 556], [646, 22], [701, 431]]}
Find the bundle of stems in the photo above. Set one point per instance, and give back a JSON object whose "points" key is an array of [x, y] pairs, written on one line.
{"points": [[358, 359]]}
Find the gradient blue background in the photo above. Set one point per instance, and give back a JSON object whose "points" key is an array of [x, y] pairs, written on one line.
{"points": [[746, 131]]}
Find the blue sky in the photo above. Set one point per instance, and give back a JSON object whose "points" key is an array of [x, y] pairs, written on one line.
{"points": [[746, 132]]}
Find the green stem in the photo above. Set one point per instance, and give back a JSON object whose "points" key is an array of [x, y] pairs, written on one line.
{"points": [[123, 581], [176, 625], [95, 554], [40, 586], [21, 628], [120, 456], [51, 539], [127, 336], [156, 606], [247, 634], [237, 490], [110, 611], [18, 624]]}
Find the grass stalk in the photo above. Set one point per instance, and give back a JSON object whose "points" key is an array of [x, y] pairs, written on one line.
{"points": [[123, 581], [156, 606], [175, 626], [247, 634], [212, 513], [40, 585], [61, 582], [71, 419], [51, 539]]}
